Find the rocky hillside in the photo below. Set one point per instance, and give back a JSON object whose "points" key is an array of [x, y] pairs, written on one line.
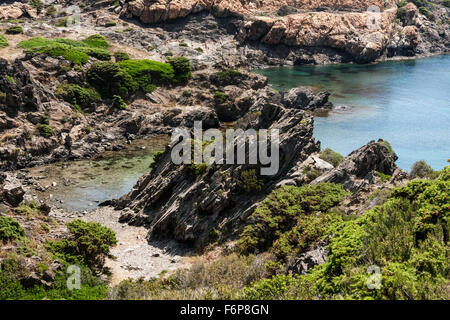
{"points": [[315, 30]]}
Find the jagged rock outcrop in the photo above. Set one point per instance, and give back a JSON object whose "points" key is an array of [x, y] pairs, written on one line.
{"points": [[308, 260], [354, 30], [360, 167], [176, 205], [17, 10], [305, 98]]}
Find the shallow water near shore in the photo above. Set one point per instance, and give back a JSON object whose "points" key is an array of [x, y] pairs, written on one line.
{"points": [[404, 102], [82, 185]]}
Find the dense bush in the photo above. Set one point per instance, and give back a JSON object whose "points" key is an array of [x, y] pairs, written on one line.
{"points": [[406, 237], [89, 245], [283, 210], [81, 98], [14, 30], [118, 103], [249, 181], [220, 97], [13, 271], [121, 56], [97, 41], [182, 68], [331, 156], [45, 130], [3, 41], [75, 51], [421, 169], [129, 76], [10, 229], [109, 79]]}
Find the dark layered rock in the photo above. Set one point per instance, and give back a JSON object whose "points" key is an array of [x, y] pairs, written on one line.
{"points": [[22, 93], [360, 167]]}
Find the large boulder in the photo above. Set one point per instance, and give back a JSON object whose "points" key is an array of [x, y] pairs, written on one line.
{"points": [[305, 98]]}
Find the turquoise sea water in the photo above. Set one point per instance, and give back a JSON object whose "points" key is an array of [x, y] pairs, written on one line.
{"points": [[404, 102]]}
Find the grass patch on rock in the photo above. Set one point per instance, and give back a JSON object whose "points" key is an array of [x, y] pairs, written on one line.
{"points": [[75, 51]]}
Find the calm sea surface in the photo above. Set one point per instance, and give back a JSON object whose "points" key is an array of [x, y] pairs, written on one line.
{"points": [[404, 102]]}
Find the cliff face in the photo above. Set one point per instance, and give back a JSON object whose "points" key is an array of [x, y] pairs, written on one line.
{"points": [[162, 10], [344, 26]]}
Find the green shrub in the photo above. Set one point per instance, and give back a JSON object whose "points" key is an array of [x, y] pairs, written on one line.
{"points": [[195, 170], [89, 245], [62, 50], [79, 97], [118, 103], [183, 44], [97, 41], [74, 51], [156, 158], [109, 79], [100, 54], [227, 77], [129, 76], [220, 97], [37, 4], [146, 73], [121, 56], [10, 229], [406, 237], [29, 209], [250, 181], [331, 157], [51, 11], [383, 177], [187, 93], [110, 24], [3, 41], [279, 287], [223, 278], [45, 130], [14, 30], [421, 169], [10, 79], [281, 210], [310, 173], [182, 68]]}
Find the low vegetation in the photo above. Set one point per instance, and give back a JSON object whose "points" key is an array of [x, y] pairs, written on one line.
{"points": [[85, 246], [16, 29], [3, 41], [280, 219], [421, 169], [406, 238], [10, 229], [75, 51], [81, 98]]}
